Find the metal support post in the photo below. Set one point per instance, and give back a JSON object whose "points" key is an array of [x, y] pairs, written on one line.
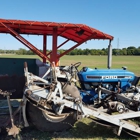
{"points": [[109, 55], [44, 47], [54, 47]]}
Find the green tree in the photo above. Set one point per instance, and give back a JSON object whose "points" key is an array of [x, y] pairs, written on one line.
{"points": [[124, 51]]}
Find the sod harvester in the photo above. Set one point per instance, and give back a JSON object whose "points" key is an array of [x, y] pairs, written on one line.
{"points": [[108, 95], [63, 95]]}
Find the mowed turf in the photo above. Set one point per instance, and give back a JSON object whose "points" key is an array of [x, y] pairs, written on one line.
{"points": [[131, 62]]}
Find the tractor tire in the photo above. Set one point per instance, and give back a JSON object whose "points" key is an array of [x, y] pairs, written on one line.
{"points": [[36, 117]]}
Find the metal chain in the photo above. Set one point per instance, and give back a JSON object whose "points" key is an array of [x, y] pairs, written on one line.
{"points": [[5, 93]]}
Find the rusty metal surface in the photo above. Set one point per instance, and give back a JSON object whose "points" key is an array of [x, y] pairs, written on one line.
{"points": [[5, 93], [10, 124]]}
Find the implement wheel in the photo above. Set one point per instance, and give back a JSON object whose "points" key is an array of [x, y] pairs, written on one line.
{"points": [[43, 121]]}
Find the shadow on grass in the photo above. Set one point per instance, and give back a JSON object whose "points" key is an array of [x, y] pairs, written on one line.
{"points": [[87, 129], [82, 130]]}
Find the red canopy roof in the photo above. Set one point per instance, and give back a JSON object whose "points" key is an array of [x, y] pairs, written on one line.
{"points": [[78, 33], [74, 32]]}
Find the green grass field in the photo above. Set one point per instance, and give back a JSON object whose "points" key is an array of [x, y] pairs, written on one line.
{"points": [[131, 62], [85, 129]]}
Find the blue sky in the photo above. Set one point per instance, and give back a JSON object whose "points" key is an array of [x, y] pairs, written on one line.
{"points": [[119, 18]]}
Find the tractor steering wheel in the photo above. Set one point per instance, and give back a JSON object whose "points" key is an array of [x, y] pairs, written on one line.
{"points": [[76, 65]]}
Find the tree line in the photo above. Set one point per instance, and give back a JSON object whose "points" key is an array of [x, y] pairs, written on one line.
{"points": [[124, 51]]}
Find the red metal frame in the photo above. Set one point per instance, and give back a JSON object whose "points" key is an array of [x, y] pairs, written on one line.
{"points": [[53, 55], [78, 33], [44, 47]]}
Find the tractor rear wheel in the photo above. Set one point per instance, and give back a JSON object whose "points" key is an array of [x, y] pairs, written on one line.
{"points": [[45, 122]]}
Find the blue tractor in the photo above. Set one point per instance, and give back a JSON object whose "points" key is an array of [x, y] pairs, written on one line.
{"points": [[111, 79]]}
